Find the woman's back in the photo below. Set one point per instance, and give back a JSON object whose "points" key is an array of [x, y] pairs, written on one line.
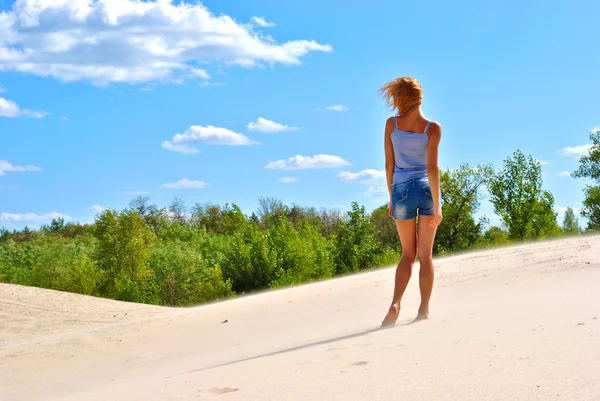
{"points": [[410, 151]]}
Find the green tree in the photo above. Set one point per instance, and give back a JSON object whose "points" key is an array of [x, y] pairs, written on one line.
{"points": [[589, 167], [184, 277], [226, 220], [301, 255], [355, 245], [24, 235], [141, 204], [299, 215], [543, 220], [207, 216], [75, 230], [4, 234], [55, 226], [589, 164], [385, 228], [250, 262], [330, 220], [495, 236], [268, 207], [156, 218], [591, 207], [461, 192], [518, 198], [84, 277], [124, 245], [570, 222], [178, 210]]}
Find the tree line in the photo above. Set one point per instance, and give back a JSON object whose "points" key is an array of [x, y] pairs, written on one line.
{"points": [[180, 255]]}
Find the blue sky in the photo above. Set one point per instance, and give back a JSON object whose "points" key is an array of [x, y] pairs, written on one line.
{"points": [[232, 101]]}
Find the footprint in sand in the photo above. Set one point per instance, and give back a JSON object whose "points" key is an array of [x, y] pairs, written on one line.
{"points": [[358, 363], [222, 390]]}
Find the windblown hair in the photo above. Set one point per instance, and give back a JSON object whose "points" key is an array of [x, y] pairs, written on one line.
{"points": [[403, 94]]}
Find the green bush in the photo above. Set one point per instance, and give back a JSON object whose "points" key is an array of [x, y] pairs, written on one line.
{"points": [[84, 277], [495, 236], [51, 262], [250, 263], [125, 242], [355, 245], [305, 255], [183, 276]]}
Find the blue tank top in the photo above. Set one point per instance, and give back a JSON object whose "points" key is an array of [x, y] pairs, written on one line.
{"points": [[410, 154]]}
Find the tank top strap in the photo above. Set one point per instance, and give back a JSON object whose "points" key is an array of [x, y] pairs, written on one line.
{"points": [[427, 127], [396, 122]]}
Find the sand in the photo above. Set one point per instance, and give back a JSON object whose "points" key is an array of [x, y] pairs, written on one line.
{"points": [[517, 323]]}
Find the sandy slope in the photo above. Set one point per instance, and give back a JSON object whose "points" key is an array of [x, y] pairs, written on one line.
{"points": [[519, 323]]}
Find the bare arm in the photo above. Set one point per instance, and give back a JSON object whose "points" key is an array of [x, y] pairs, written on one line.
{"points": [[433, 170], [389, 154]]}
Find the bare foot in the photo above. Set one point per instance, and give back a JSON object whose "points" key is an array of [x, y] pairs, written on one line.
{"points": [[422, 316], [391, 317]]}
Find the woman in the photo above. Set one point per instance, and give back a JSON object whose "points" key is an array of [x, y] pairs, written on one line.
{"points": [[413, 180]]}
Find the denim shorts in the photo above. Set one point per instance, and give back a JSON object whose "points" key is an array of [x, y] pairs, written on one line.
{"points": [[411, 198]]}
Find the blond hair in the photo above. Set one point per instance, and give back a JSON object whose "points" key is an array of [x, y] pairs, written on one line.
{"points": [[404, 94]]}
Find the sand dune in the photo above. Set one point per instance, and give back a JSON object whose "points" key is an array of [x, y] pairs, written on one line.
{"points": [[518, 323]]}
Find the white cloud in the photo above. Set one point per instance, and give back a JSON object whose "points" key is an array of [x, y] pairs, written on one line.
{"points": [[31, 217], [6, 167], [2, 90], [209, 135], [10, 109], [186, 150], [375, 180], [543, 162], [97, 209], [64, 118], [368, 174], [288, 180], [264, 125], [184, 184], [337, 107], [564, 174], [308, 162], [595, 129], [260, 21], [132, 41], [6, 188], [575, 150]]}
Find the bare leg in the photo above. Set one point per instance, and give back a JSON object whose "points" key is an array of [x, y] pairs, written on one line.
{"points": [[407, 233], [426, 272]]}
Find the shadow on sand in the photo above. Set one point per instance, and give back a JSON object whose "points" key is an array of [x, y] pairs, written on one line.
{"points": [[313, 344]]}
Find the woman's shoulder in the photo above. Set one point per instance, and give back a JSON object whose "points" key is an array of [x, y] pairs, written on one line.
{"points": [[435, 127], [435, 130], [389, 124]]}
